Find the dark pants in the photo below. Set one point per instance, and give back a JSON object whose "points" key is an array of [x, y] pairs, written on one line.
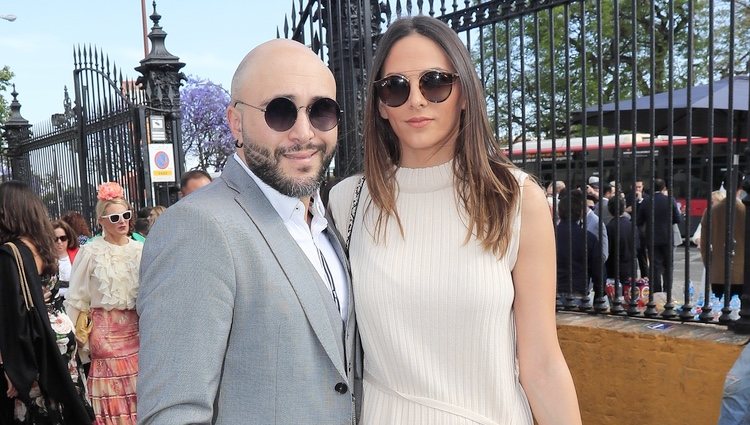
{"points": [[642, 255], [663, 267]]}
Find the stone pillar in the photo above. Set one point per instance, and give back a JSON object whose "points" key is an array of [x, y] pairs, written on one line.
{"points": [[161, 79], [16, 131]]}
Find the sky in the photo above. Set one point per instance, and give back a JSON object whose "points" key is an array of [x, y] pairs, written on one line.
{"points": [[209, 37]]}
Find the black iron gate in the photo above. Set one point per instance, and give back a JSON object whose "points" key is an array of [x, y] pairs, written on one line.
{"points": [[95, 141], [101, 136], [560, 78]]}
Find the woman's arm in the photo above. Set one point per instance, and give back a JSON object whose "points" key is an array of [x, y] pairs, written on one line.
{"points": [[78, 298], [544, 374]]}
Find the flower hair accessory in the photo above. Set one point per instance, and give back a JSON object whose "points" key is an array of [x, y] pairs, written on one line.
{"points": [[109, 191]]}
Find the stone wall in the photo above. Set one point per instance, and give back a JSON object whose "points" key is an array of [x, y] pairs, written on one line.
{"points": [[627, 373]]}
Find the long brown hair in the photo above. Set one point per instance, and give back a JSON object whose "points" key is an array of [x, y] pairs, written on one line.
{"points": [[22, 214], [484, 184]]}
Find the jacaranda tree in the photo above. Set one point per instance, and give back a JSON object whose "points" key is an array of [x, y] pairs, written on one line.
{"points": [[206, 138]]}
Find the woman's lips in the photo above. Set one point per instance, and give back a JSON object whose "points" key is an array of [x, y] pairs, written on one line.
{"points": [[418, 122]]}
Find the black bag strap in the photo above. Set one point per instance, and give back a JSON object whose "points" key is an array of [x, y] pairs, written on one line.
{"points": [[353, 212]]}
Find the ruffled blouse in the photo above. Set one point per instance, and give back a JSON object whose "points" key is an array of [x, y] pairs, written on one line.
{"points": [[105, 276]]}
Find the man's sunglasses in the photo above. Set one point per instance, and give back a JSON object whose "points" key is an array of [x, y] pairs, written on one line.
{"points": [[281, 113], [115, 218], [61, 238], [436, 86]]}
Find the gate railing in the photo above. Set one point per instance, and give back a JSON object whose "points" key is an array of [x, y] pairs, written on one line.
{"points": [[584, 90]]}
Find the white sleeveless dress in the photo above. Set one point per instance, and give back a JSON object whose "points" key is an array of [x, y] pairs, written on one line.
{"points": [[435, 314]]}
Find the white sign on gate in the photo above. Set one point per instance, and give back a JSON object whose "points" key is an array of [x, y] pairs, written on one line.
{"points": [[161, 159], [158, 132]]}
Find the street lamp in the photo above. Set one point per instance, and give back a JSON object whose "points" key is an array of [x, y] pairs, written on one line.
{"points": [[9, 18]]}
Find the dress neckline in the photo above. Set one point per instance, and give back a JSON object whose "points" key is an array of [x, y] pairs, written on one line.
{"points": [[424, 180]]}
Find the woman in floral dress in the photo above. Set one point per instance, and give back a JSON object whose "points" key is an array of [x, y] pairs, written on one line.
{"points": [[104, 282]]}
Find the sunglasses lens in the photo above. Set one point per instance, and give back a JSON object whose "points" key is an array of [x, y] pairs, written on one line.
{"points": [[393, 90], [436, 86], [324, 114], [115, 218], [281, 113]]}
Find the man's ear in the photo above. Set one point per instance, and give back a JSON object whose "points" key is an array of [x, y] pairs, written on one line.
{"points": [[234, 119]]}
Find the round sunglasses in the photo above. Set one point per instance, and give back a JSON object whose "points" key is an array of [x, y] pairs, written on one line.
{"points": [[62, 238], [115, 218], [435, 86], [281, 113]]}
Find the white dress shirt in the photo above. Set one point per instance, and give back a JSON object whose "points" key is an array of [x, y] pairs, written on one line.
{"points": [[309, 238]]}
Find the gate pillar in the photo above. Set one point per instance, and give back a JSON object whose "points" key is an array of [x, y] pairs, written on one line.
{"points": [[161, 81], [16, 131]]}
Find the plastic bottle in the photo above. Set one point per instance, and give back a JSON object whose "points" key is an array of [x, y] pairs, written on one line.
{"points": [[698, 307], [735, 304]]}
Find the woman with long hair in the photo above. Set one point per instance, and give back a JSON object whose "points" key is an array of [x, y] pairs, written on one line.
{"points": [[452, 250], [37, 343], [104, 284]]}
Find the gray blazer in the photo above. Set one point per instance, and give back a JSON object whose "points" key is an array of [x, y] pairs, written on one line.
{"points": [[236, 326]]}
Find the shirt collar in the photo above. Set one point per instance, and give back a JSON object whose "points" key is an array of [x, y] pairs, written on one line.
{"points": [[284, 205]]}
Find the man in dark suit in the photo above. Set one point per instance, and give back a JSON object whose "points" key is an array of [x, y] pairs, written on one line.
{"points": [[659, 227], [633, 201]]}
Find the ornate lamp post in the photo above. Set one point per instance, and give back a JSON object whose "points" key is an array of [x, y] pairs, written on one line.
{"points": [[161, 81]]}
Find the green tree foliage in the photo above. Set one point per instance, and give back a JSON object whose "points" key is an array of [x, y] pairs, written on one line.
{"points": [[5, 76], [579, 52]]}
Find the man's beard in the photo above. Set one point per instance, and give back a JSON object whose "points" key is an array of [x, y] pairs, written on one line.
{"points": [[266, 166]]}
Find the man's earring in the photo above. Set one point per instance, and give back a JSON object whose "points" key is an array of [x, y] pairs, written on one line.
{"points": [[238, 144]]}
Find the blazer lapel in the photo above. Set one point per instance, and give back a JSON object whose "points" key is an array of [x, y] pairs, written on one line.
{"points": [[302, 276]]}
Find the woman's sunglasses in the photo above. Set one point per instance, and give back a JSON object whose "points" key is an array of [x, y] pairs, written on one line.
{"points": [[61, 238], [281, 113], [436, 86], [115, 218]]}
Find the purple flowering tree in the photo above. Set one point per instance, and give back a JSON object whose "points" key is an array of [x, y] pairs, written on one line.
{"points": [[206, 138]]}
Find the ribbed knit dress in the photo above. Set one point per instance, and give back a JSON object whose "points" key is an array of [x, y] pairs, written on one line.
{"points": [[435, 315]]}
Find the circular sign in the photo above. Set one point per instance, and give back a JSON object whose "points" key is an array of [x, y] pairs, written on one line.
{"points": [[161, 159]]}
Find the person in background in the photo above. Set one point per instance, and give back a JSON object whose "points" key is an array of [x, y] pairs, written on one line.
{"points": [[40, 382], [79, 225], [714, 246], [621, 266], [452, 250], [735, 402], [192, 181], [578, 250], [104, 283], [601, 208], [636, 198], [659, 227], [66, 245], [142, 224]]}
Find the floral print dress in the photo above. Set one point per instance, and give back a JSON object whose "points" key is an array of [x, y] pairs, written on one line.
{"points": [[43, 410]]}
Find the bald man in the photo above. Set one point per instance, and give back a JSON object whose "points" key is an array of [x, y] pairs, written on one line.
{"points": [[245, 304]]}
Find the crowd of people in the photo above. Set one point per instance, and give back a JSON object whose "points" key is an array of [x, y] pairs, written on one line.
{"points": [[636, 237], [68, 326], [415, 296]]}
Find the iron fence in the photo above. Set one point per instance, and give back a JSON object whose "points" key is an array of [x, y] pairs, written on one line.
{"points": [[604, 90]]}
